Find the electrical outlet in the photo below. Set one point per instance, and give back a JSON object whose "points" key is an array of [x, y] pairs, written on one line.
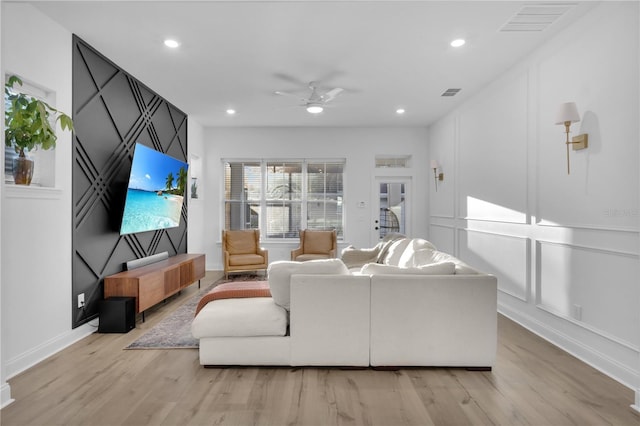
{"points": [[577, 312], [81, 301]]}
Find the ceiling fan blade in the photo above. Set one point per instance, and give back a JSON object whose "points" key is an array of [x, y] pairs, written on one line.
{"points": [[331, 94], [291, 95]]}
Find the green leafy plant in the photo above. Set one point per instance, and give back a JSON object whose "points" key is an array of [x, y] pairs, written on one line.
{"points": [[27, 121], [169, 181], [181, 182]]}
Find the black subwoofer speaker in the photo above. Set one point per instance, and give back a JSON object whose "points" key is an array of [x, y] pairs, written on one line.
{"points": [[117, 315]]}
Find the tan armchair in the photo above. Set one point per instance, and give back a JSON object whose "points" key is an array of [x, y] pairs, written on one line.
{"points": [[315, 245], [241, 251]]}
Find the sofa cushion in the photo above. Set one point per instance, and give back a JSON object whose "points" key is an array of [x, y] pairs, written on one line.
{"points": [[444, 268], [280, 272], [251, 316], [305, 257], [427, 257]]}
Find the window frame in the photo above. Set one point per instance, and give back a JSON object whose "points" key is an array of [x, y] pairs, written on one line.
{"points": [[265, 203]]}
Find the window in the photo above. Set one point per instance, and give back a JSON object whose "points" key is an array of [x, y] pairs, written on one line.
{"points": [[280, 197], [44, 172], [400, 162]]}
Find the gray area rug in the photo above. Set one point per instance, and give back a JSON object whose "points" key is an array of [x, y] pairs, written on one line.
{"points": [[174, 331]]}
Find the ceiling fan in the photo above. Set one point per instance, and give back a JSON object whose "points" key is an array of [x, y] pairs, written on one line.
{"points": [[316, 102]]}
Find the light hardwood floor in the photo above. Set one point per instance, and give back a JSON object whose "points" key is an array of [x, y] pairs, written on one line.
{"points": [[96, 382]]}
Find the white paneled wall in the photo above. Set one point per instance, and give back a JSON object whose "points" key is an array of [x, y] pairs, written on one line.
{"points": [[565, 247]]}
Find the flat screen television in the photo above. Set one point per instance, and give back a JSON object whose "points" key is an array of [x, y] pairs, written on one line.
{"points": [[155, 192]]}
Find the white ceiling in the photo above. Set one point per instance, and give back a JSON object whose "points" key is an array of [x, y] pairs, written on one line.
{"points": [[236, 54]]}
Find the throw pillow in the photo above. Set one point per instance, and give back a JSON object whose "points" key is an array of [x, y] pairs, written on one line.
{"points": [[395, 251], [280, 272], [386, 243], [427, 257]]}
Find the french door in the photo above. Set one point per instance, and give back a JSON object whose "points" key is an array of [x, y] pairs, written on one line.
{"points": [[392, 207]]}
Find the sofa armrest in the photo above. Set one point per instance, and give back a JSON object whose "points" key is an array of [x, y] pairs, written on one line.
{"points": [[436, 320], [264, 253], [329, 322]]}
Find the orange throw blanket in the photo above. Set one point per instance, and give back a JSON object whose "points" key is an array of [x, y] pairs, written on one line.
{"points": [[235, 290]]}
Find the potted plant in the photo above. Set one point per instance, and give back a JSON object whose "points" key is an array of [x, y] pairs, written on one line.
{"points": [[28, 126]]}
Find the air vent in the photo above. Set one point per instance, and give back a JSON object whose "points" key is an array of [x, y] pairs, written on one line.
{"points": [[535, 18], [450, 92], [392, 162]]}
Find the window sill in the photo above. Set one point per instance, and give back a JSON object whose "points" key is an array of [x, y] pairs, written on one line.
{"points": [[34, 192]]}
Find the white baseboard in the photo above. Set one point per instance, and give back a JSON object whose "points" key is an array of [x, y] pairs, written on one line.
{"points": [[5, 395], [636, 406], [43, 351], [606, 365]]}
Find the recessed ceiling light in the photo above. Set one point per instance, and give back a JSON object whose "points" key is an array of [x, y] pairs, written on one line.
{"points": [[400, 111], [231, 111], [458, 42], [171, 43]]}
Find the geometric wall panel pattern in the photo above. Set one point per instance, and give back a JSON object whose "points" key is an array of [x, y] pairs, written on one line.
{"points": [[112, 111]]}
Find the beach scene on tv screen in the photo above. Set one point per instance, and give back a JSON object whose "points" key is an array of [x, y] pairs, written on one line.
{"points": [[155, 192]]}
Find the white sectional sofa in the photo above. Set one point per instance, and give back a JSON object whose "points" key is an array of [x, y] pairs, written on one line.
{"points": [[415, 306]]}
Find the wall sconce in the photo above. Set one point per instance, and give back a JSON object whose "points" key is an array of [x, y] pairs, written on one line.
{"points": [[567, 114], [436, 176]]}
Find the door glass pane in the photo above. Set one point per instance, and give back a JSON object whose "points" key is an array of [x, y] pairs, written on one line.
{"points": [[392, 209]]}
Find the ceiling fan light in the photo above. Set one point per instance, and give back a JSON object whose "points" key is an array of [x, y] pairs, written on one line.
{"points": [[314, 109], [171, 43]]}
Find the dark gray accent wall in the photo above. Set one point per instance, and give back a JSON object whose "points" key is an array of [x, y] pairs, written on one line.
{"points": [[111, 112]]}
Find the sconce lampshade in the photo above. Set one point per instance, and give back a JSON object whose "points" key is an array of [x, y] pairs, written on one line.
{"points": [[567, 112], [434, 164]]}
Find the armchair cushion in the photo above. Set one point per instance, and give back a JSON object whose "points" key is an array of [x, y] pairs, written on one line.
{"points": [[245, 259], [241, 242], [315, 244], [318, 242]]}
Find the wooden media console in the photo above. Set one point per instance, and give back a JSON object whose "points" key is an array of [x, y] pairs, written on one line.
{"points": [[155, 282]]}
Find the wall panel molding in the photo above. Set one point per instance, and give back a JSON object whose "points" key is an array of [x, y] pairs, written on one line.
{"points": [[594, 285], [594, 249], [440, 216], [594, 330], [441, 225], [112, 111], [588, 227], [515, 282]]}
